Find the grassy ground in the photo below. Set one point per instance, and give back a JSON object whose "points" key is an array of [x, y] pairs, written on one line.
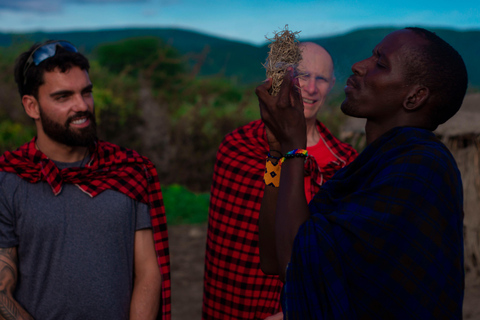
{"points": [[185, 207]]}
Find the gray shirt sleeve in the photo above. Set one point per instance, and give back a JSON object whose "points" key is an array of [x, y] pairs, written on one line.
{"points": [[143, 216]]}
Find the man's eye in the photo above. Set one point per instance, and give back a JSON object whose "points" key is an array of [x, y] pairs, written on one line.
{"points": [[303, 76]]}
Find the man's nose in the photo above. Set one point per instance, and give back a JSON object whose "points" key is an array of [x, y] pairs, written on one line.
{"points": [[310, 86], [81, 104], [359, 67]]}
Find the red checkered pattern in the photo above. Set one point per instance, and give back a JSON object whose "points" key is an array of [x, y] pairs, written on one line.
{"points": [[110, 167], [234, 285]]}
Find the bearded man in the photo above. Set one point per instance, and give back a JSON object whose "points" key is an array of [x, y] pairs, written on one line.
{"points": [[82, 224]]}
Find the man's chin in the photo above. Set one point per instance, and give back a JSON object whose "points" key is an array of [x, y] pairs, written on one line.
{"points": [[347, 108], [309, 116], [350, 110], [310, 111]]}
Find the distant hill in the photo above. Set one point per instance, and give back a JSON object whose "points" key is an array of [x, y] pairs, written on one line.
{"points": [[356, 45], [243, 62]]}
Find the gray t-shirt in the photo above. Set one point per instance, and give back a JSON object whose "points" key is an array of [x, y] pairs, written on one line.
{"points": [[75, 252]]}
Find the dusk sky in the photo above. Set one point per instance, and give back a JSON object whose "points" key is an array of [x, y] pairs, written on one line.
{"points": [[247, 20]]}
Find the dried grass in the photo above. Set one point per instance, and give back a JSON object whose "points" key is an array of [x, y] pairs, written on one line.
{"points": [[284, 53]]}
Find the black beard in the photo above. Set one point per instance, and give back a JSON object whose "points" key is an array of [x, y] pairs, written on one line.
{"points": [[63, 134]]}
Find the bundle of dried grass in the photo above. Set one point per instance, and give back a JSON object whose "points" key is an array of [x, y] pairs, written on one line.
{"points": [[284, 53]]}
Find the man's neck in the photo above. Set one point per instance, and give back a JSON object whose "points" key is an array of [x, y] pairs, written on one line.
{"points": [[375, 129], [60, 152]]}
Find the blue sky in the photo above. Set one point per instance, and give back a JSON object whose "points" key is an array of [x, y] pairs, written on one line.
{"points": [[247, 20]]}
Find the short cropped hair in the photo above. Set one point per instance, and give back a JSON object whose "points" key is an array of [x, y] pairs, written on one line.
{"points": [[33, 79], [438, 66]]}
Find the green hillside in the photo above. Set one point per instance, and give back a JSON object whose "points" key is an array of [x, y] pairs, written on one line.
{"points": [[242, 62]]}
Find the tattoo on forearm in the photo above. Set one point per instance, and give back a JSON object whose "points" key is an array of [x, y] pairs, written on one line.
{"points": [[7, 307], [8, 280], [8, 269]]}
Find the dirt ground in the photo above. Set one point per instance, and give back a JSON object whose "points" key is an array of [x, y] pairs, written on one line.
{"points": [[187, 250], [187, 253]]}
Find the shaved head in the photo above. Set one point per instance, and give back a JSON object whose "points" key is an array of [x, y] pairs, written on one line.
{"points": [[311, 51], [316, 77]]}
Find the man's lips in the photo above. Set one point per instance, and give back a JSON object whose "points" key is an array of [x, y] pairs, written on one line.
{"points": [[80, 119], [351, 83], [309, 101]]}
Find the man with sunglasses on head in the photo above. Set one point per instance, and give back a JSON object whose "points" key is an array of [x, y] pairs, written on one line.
{"points": [[82, 224]]}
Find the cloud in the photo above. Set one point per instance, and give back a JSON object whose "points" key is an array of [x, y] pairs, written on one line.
{"points": [[40, 6], [54, 6], [105, 1]]}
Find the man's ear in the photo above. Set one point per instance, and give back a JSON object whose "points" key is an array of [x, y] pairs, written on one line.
{"points": [[332, 83], [416, 98], [30, 104]]}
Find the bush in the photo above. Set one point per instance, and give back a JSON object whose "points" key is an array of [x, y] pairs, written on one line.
{"points": [[13, 135], [183, 206]]}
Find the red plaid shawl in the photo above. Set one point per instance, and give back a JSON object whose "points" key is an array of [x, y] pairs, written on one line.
{"points": [[110, 167], [234, 285]]}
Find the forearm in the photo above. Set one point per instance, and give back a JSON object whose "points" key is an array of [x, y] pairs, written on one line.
{"points": [[145, 298], [266, 231], [292, 210], [147, 282], [9, 307], [284, 118]]}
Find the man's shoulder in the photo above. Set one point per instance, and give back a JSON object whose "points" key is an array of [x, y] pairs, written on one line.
{"points": [[4, 176], [415, 147], [9, 181], [412, 139], [18, 151], [251, 134], [248, 141], [109, 149], [251, 128]]}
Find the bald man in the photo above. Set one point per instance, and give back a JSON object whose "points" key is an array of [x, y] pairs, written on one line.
{"points": [[234, 285]]}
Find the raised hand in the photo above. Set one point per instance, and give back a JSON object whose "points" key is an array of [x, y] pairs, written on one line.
{"points": [[283, 114]]}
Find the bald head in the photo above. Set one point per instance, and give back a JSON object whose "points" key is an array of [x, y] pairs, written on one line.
{"points": [[315, 56], [316, 68]]}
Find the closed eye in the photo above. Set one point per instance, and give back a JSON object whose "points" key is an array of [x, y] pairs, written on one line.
{"points": [[61, 96], [303, 76], [88, 90]]}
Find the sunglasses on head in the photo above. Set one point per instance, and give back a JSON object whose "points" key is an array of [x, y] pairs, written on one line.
{"points": [[45, 51]]}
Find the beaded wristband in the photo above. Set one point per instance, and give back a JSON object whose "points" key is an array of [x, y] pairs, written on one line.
{"points": [[297, 153], [272, 173], [269, 155]]}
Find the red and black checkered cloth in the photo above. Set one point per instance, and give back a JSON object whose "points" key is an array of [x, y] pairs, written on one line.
{"points": [[234, 285], [110, 167]]}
